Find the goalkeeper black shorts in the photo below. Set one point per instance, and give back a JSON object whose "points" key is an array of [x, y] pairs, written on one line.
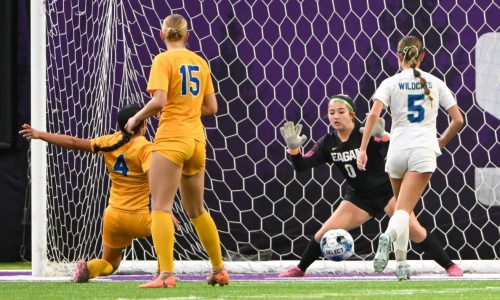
{"points": [[374, 205]]}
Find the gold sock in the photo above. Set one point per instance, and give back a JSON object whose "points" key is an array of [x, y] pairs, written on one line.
{"points": [[162, 230], [99, 267], [209, 237]]}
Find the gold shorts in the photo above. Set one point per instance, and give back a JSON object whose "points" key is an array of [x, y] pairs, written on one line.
{"points": [[186, 152], [120, 227]]}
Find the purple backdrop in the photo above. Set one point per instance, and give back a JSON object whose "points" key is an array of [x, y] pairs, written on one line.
{"points": [[274, 61]]}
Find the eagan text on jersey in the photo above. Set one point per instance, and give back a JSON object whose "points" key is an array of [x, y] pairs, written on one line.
{"points": [[345, 156]]}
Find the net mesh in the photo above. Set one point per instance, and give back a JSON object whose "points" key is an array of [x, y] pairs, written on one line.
{"points": [[272, 61]]}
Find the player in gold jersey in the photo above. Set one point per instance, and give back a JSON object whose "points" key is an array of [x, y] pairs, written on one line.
{"points": [[182, 89], [127, 215]]}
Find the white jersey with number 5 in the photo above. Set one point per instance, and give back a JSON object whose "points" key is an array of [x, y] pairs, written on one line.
{"points": [[413, 114]]}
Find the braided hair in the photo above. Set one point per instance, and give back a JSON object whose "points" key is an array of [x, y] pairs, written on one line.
{"points": [[411, 47], [124, 114]]}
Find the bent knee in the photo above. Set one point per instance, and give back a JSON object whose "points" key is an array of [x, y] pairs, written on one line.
{"points": [[417, 233], [194, 212]]}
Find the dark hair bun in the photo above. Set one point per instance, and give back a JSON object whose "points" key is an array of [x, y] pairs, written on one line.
{"points": [[126, 113]]}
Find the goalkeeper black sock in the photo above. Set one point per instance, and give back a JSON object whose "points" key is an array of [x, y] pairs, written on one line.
{"points": [[312, 253], [432, 246]]}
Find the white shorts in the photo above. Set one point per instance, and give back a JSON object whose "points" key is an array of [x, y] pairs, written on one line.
{"points": [[421, 160]]}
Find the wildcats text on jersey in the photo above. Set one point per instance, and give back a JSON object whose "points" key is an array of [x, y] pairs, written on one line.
{"points": [[345, 156], [413, 85]]}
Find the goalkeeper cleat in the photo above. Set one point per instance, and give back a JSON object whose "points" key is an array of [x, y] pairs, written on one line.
{"points": [[164, 280], [218, 276], [81, 272], [403, 273], [293, 271], [455, 271], [382, 255]]}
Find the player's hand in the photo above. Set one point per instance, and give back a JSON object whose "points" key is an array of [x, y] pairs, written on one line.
{"points": [[362, 160], [176, 222], [441, 144], [29, 132], [379, 130], [131, 124], [291, 135]]}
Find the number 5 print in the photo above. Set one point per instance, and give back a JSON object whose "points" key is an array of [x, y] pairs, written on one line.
{"points": [[416, 111]]}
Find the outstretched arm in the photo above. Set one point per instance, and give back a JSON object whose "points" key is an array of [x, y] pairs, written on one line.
{"points": [[311, 159], [61, 140], [291, 134], [294, 141]]}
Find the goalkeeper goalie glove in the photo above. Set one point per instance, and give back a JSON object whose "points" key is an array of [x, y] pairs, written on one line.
{"points": [[291, 135], [379, 130]]}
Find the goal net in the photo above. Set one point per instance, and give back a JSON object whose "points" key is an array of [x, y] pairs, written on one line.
{"points": [[271, 61]]}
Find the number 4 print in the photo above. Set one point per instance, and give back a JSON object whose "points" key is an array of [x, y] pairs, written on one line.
{"points": [[121, 165]]}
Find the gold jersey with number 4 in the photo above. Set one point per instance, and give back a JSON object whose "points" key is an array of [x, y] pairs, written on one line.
{"points": [[127, 167], [185, 76]]}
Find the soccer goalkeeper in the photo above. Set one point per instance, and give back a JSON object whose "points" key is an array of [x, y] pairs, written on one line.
{"points": [[369, 193]]}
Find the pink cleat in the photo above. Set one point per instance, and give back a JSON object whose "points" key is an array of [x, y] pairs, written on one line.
{"points": [[164, 280], [156, 275], [293, 271], [81, 272], [220, 277], [455, 271]]}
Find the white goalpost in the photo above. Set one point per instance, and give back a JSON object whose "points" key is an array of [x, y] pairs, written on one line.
{"points": [[38, 149], [271, 61]]}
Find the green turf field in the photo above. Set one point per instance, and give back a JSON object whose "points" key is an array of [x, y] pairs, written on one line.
{"points": [[454, 289], [15, 265]]}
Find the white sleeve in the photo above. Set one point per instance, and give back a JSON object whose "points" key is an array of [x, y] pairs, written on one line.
{"points": [[446, 98], [383, 93]]}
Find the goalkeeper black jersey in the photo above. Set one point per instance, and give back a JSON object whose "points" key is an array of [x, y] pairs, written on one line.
{"points": [[330, 149]]}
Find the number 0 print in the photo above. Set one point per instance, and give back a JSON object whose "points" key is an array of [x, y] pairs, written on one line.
{"points": [[189, 79], [121, 165], [350, 171]]}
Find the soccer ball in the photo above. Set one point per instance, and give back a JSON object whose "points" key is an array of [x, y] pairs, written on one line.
{"points": [[337, 245]]}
